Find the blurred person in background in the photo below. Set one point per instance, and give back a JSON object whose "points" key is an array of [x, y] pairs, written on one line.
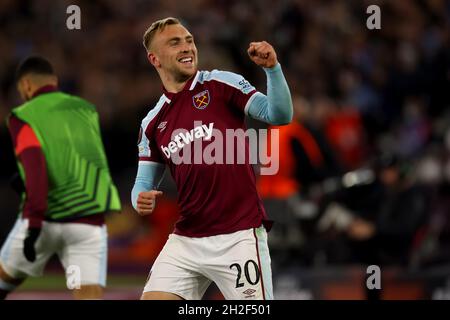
{"points": [[433, 170], [344, 130], [378, 220], [315, 159], [305, 161], [379, 216], [66, 185]]}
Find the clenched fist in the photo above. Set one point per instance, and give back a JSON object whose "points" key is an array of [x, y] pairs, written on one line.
{"points": [[146, 202], [263, 54]]}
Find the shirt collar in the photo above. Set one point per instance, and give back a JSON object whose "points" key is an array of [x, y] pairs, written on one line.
{"points": [[45, 89]]}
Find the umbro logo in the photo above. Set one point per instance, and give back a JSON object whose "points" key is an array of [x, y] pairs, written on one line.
{"points": [[162, 126], [249, 293]]}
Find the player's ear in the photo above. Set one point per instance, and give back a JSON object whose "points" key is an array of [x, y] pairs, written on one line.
{"points": [[19, 88], [55, 80], [27, 84], [153, 59], [24, 86]]}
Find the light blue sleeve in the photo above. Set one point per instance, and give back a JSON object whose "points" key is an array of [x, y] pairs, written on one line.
{"points": [[275, 108], [148, 177]]}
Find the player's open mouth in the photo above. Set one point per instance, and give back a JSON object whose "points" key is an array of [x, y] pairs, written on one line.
{"points": [[186, 60]]}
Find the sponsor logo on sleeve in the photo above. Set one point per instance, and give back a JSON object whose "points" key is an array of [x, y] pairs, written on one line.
{"points": [[246, 87]]}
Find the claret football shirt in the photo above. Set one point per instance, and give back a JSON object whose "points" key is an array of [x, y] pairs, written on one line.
{"points": [[190, 132]]}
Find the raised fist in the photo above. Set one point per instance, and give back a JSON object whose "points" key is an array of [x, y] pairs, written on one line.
{"points": [[146, 202], [263, 54]]}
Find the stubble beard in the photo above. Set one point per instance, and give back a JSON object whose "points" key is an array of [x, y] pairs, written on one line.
{"points": [[181, 76]]}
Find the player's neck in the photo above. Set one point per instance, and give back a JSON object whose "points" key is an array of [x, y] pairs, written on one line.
{"points": [[173, 85]]}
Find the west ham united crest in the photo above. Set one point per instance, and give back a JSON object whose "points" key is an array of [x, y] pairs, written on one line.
{"points": [[201, 100]]}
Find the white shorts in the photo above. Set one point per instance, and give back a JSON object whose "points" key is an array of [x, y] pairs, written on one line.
{"points": [[239, 264], [82, 246]]}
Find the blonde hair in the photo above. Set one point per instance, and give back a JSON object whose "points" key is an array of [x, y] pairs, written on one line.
{"points": [[157, 26]]}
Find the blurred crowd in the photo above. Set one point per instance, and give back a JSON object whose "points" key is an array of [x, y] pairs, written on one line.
{"points": [[365, 166]]}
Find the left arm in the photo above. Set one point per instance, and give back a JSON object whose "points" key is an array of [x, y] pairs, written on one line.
{"points": [[29, 152], [276, 108], [31, 156]]}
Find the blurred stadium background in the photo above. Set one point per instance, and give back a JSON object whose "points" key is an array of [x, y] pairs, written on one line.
{"points": [[365, 169]]}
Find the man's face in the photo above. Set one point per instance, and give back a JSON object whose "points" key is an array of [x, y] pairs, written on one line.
{"points": [[174, 51]]}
